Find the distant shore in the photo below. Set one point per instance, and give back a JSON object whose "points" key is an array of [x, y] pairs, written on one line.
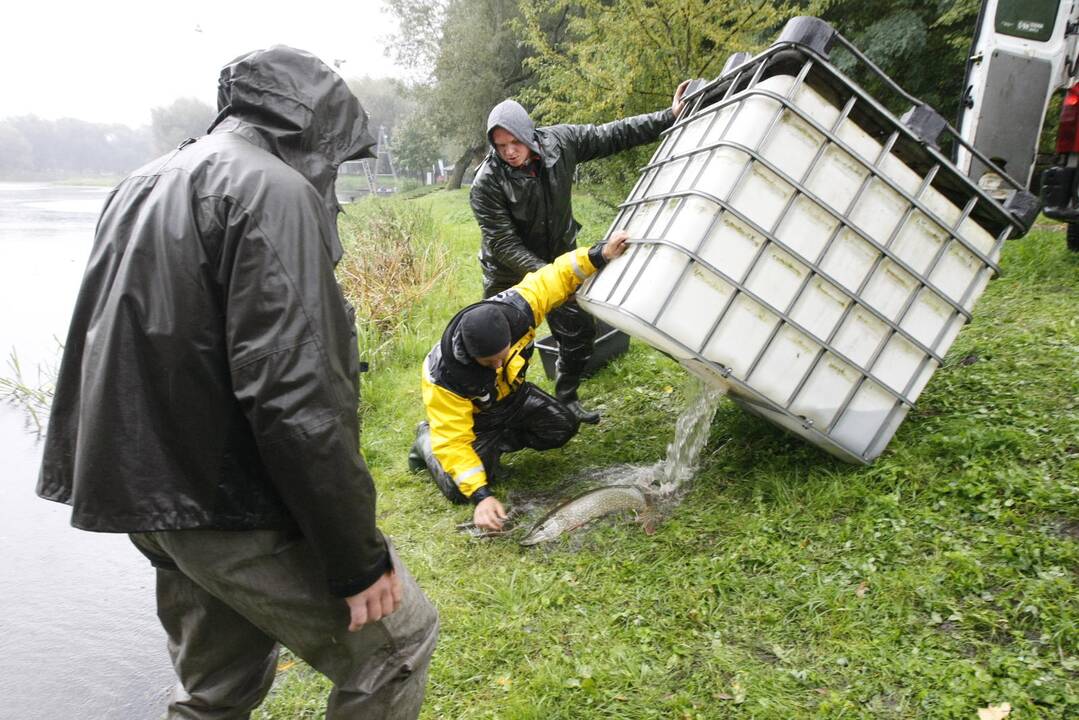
{"points": [[85, 180]]}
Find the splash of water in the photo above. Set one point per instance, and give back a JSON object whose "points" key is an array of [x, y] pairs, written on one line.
{"points": [[690, 436], [664, 481], [666, 477]]}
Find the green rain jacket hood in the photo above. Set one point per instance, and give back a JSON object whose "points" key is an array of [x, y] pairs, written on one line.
{"points": [[210, 374], [300, 110]]}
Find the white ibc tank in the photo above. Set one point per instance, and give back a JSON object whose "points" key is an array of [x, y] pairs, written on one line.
{"points": [[784, 249]]}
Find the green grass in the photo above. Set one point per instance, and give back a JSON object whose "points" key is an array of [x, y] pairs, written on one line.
{"points": [[787, 584]]}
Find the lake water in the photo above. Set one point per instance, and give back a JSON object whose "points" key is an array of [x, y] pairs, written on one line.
{"points": [[79, 638]]}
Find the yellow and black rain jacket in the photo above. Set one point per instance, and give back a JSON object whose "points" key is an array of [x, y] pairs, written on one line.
{"points": [[456, 388]]}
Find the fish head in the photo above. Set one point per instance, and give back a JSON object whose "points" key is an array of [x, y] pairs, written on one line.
{"points": [[545, 531]]}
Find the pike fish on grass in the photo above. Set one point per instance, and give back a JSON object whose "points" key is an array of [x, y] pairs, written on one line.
{"points": [[582, 509]]}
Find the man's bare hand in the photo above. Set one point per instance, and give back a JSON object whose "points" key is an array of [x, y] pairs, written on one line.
{"points": [[677, 106], [376, 602], [615, 245], [489, 514]]}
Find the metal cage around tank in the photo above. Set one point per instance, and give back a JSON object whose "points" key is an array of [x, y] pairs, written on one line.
{"points": [[789, 216]]}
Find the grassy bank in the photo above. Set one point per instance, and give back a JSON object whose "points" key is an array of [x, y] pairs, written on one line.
{"points": [[938, 581]]}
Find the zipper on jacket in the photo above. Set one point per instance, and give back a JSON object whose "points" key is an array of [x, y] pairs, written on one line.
{"points": [[546, 210]]}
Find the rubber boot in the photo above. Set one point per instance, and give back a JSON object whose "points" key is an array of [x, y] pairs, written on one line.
{"points": [[420, 457], [416, 460], [565, 389], [584, 415]]}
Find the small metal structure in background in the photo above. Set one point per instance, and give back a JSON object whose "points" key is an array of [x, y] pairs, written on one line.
{"points": [[380, 166], [798, 245], [382, 161]]}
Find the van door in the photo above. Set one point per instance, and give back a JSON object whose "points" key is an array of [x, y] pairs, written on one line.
{"points": [[1020, 55]]}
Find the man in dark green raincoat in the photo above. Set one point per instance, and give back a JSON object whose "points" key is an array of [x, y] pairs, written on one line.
{"points": [[207, 406]]}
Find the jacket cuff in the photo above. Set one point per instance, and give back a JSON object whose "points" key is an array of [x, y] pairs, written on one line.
{"points": [[479, 494], [352, 586], [595, 256]]}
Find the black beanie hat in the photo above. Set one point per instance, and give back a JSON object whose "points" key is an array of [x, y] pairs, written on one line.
{"points": [[484, 330]]}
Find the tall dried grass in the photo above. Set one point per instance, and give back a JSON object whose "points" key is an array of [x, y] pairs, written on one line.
{"points": [[391, 261]]}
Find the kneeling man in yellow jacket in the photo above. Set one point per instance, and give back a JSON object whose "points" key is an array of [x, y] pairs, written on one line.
{"points": [[474, 390]]}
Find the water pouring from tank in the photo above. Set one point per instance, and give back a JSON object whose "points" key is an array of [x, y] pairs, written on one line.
{"points": [[667, 479], [645, 490]]}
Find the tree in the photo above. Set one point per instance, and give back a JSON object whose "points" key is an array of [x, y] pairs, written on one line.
{"points": [[415, 143], [618, 58], [416, 44], [40, 134], [33, 147], [386, 101], [478, 62], [184, 118], [921, 44], [16, 154], [81, 144], [598, 60], [126, 148]]}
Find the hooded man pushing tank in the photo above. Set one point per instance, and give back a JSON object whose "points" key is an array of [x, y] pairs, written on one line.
{"points": [[521, 200]]}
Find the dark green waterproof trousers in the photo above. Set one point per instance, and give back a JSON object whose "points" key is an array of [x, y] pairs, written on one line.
{"points": [[228, 599]]}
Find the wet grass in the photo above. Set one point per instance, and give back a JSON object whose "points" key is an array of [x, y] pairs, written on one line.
{"points": [[30, 395], [937, 581]]}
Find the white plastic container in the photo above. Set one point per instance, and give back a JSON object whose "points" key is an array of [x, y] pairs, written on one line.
{"points": [[818, 284]]}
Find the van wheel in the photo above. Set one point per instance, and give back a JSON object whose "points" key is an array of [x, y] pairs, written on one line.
{"points": [[1073, 236]]}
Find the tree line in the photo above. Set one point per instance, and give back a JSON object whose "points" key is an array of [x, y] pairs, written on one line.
{"points": [[586, 61], [36, 148], [576, 61], [33, 148]]}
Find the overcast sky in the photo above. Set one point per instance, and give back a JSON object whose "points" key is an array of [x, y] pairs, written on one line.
{"points": [[113, 60]]}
